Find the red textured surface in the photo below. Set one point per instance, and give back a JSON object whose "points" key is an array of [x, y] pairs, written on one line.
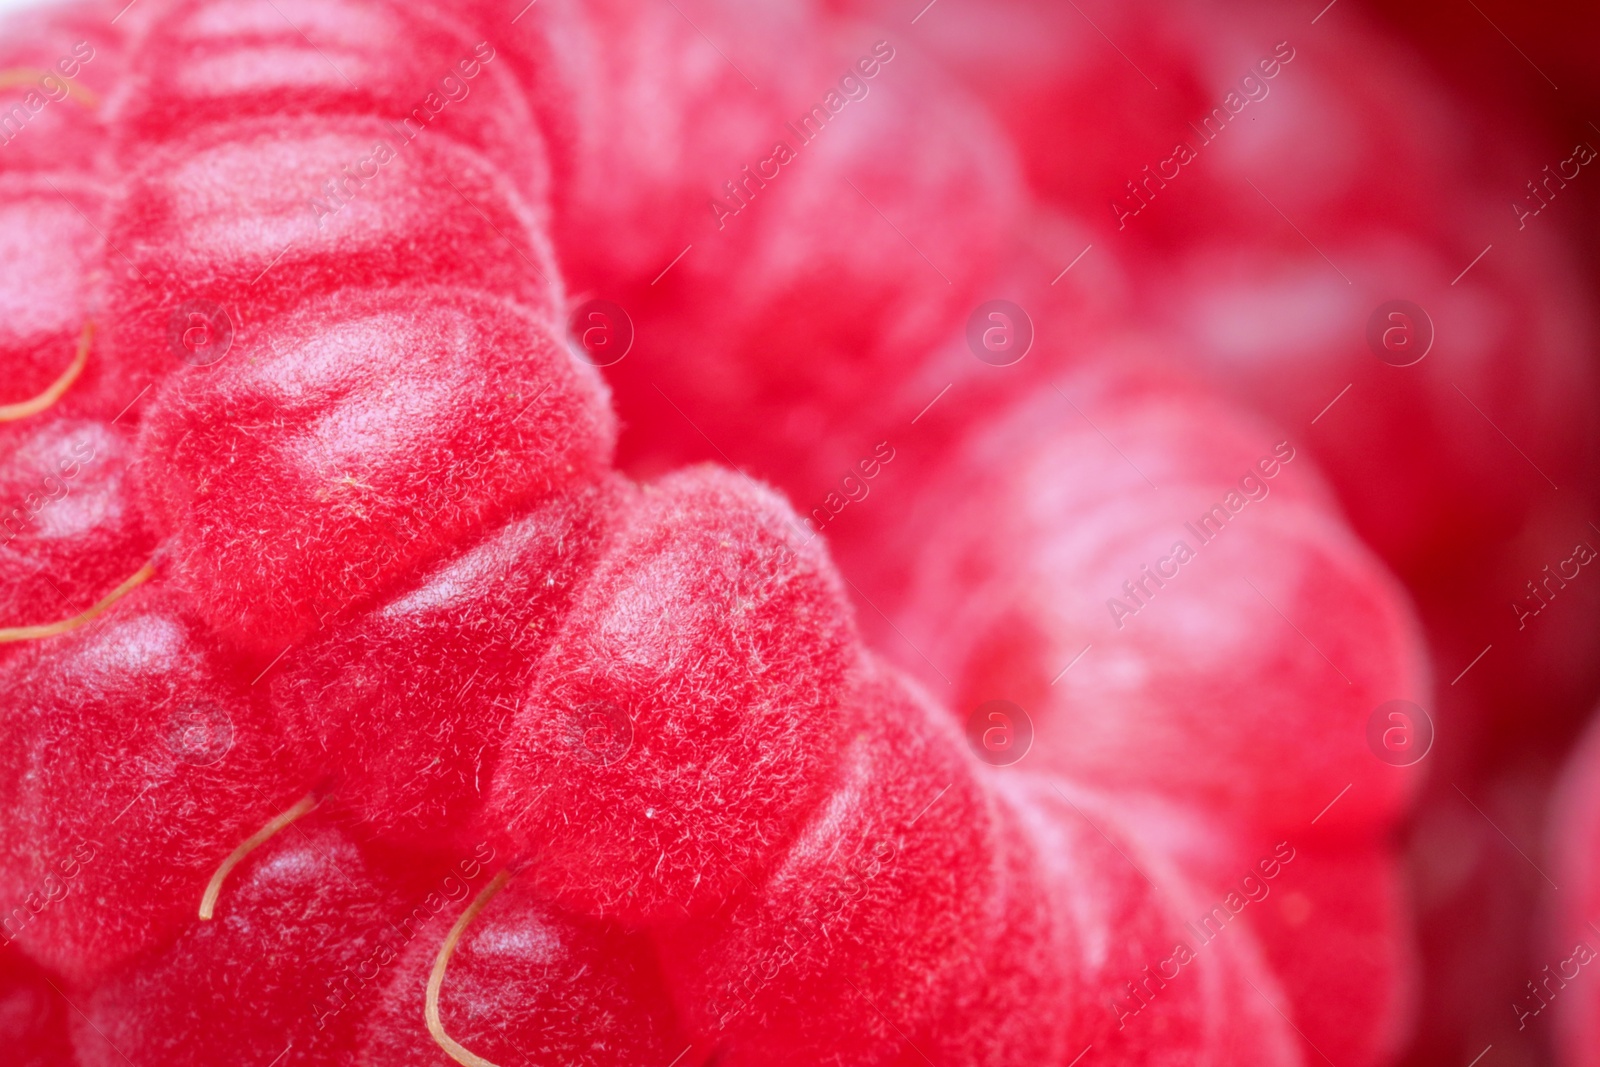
{"points": [[527, 984], [1182, 651], [106, 775], [1554, 994], [385, 433], [810, 303], [75, 533], [281, 966], [218, 61], [1278, 611], [397, 565], [33, 1020], [49, 281], [709, 627], [381, 700], [68, 57]]}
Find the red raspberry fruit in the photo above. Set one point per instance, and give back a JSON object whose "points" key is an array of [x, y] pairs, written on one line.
{"points": [[524, 984], [386, 426], [134, 763]]}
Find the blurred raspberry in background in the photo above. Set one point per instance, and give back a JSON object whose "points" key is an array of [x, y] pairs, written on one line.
{"points": [[1375, 224]]}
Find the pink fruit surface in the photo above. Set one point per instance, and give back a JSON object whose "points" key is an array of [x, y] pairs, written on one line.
{"points": [[33, 1022], [1568, 942], [433, 733], [1193, 576], [789, 229], [688, 712], [135, 764], [72, 533], [395, 432], [277, 972], [380, 700], [527, 984], [57, 63]]}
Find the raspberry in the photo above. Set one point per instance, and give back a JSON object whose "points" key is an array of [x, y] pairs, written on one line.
{"points": [[271, 972], [525, 984], [842, 266], [410, 703], [1034, 606], [135, 765], [1051, 625], [904, 916], [33, 1022], [71, 533], [57, 63], [398, 419], [217, 61], [393, 576], [48, 290], [1567, 941], [962, 913], [1336, 932], [709, 627], [241, 231], [1393, 206]]}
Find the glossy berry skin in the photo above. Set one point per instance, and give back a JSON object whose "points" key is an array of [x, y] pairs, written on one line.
{"points": [[394, 431], [1276, 586], [71, 532], [408, 705], [685, 716], [366, 450], [33, 1017], [135, 765], [527, 984], [824, 269], [278, 971]]}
